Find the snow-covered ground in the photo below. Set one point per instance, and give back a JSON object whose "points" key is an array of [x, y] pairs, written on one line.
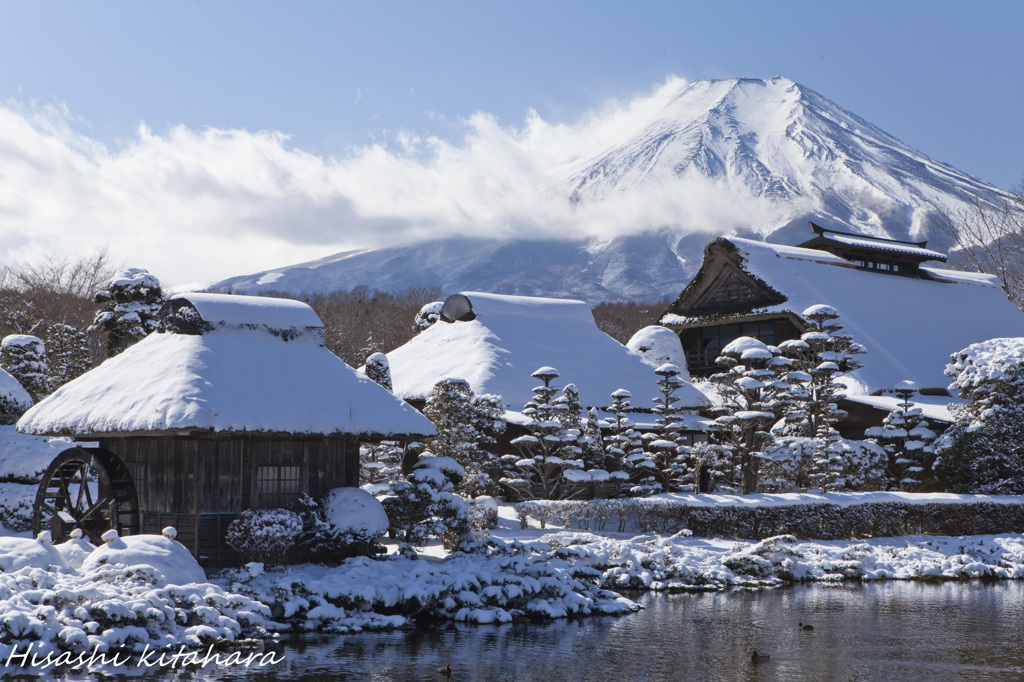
{"points": [[72, 598]]}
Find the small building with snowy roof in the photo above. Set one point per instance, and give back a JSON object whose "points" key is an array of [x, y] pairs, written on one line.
{"points": [[496, 342], [234, 403], [909, 316]]}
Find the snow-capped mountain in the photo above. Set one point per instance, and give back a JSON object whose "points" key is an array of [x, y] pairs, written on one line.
{"points": [[773, 141]]}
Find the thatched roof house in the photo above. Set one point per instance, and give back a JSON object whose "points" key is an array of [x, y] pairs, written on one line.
{"points": [[496, 342], [234, 403], [910, 317]]}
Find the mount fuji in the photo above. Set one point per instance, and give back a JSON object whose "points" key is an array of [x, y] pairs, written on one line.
{"points": [[781, 152]]}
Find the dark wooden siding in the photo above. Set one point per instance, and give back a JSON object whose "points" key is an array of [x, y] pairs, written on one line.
{"points": [[199, 484]]}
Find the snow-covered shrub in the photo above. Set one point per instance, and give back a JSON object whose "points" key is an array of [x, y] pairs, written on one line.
{"points": [[24, 357], [659, 346], [129, 303], [983, 451], [826, 518], [14, 399], [422, 505], [466, 428], [428, 315], [379, 370], [264, 535], [67, 354], [483, 516], [346, 523]]}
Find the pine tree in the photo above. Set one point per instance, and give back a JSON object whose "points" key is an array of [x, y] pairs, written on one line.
{"points": [[625, 446], [130, 302], [664, 446], [24, 357], [381, 462], [822, 354], [550, 448], [67, 354], [753, 398], [908, 442]]}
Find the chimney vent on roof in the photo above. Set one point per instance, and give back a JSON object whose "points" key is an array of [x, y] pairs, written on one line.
{"points": [[457, 308]]}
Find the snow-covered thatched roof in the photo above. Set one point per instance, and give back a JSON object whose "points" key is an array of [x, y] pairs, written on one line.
{"points": [[909, 325], [510, 337], [226, 364]]}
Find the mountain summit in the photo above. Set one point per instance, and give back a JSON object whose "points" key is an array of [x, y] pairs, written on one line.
{"points": [[782, 153]]}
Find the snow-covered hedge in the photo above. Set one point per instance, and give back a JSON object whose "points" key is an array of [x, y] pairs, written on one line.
{"points": [[820, 520]]}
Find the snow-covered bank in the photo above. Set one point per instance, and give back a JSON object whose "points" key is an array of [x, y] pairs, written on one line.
{"points": [[517, 573]]}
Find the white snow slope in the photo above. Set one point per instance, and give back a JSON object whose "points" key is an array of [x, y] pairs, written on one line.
{"points": [[781, 152]]}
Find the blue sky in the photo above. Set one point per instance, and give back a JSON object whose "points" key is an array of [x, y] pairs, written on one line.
{"points": [[327, 79]]}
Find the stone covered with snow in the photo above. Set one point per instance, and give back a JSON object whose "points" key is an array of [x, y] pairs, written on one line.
{"points": [[259, 365], [510, 337]]}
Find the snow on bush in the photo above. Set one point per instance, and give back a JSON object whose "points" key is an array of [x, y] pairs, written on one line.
{"points": [[658, 345], [16, 501], [983, 451], [24, 356], [14, 399], [355, 511], [264, 535]]}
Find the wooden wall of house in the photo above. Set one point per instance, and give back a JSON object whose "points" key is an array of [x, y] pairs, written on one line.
{"points": [[199, 484]]}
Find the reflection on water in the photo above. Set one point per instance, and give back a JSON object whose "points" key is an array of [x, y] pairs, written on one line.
{"points": [[882, 631]]}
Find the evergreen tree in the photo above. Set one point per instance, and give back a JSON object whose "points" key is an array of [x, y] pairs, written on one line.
{"points": [[24, 357], [550, 448], [753, 398], [67, 354], [908, 442], [130, 302], [822, 354], [664, 446], [625, 446], [378, 369], [422, 504], [592, 443], [466, 425], [983, 450]]}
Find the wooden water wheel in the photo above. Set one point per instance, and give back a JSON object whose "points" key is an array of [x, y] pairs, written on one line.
{"points": [[87, 488]]}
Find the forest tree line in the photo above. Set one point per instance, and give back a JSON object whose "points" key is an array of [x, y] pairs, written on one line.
{"points": [[357, 323]]}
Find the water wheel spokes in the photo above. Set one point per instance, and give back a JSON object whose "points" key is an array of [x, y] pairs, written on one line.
{"points": [[86, 488]]}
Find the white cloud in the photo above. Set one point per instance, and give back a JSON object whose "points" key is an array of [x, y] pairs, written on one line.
{"points": [[203, 205]]}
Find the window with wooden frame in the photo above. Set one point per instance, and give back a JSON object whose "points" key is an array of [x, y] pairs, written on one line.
{"points": [[277, 486]]}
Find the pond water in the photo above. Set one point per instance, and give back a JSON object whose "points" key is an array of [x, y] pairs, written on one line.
{"points": [[904, 631]]}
